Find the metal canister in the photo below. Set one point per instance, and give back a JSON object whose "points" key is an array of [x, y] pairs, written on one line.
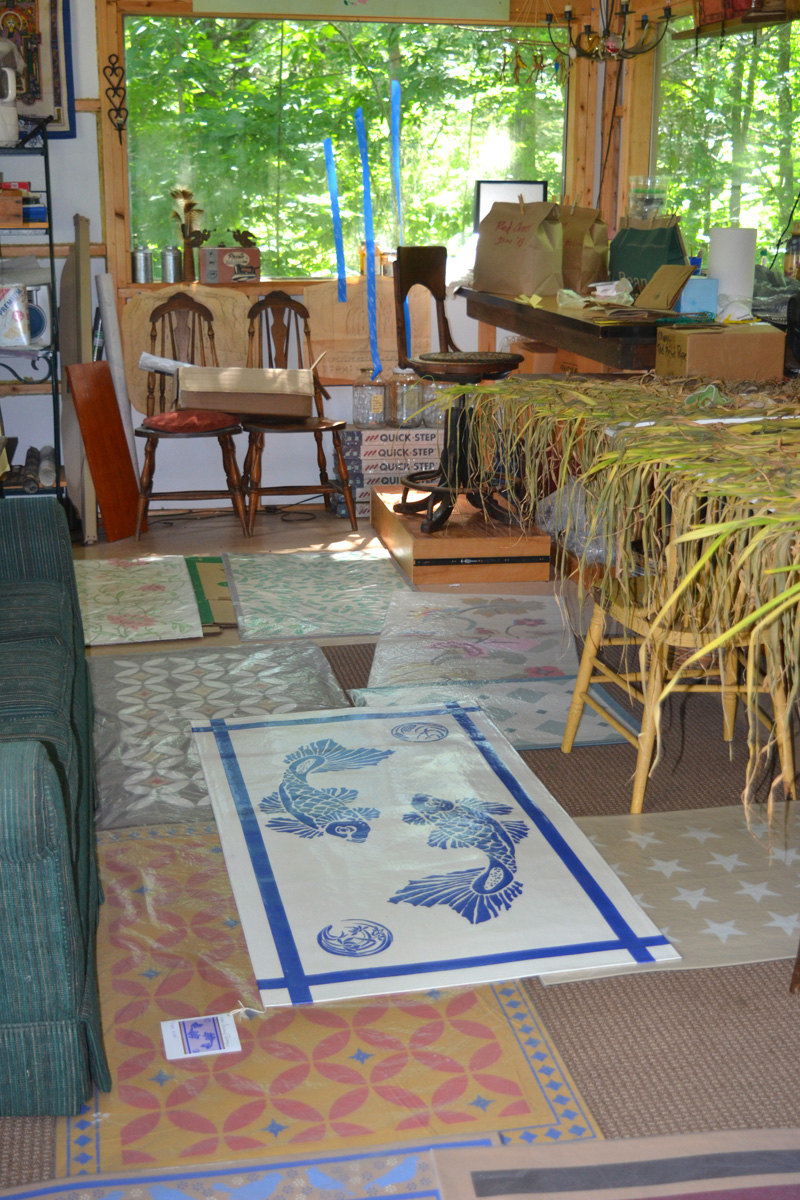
{"points": [[171, 265], [142, 263]]}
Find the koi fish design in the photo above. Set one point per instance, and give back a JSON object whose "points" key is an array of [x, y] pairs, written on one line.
{"points": [[298, 807], [478, 894]]}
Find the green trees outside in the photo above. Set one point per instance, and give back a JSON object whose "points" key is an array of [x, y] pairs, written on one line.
{"points": [[237, 110], [728, 133]]}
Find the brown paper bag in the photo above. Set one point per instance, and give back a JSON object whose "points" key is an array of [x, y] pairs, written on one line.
{"points": [[519, 250], [585, 258]]}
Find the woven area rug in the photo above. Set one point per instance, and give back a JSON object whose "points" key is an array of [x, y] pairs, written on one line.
{"points": [[746, 1165], [532, 714], [402, 1173], [440, 1066], [443, 639], [147, 767], [442, 861], [309, 594], [724, 890], [136, 600]]}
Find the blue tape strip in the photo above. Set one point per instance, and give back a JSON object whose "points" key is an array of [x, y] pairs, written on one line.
{"points": [[369, 238], [333, 188], [455, 964], [636, 946], [285, 945], [396, 162]]}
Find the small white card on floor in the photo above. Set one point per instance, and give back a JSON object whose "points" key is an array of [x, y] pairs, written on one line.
{"points": [[200, 1035]]}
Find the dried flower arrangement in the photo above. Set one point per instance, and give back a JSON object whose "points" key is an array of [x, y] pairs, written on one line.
{"points": [[187, 213]]}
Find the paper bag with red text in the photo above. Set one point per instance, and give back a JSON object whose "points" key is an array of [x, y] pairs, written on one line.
{"points": [[519, 250]]}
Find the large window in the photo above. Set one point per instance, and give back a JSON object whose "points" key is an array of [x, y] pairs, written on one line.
{"points": [[727, 131], [237, 111]]}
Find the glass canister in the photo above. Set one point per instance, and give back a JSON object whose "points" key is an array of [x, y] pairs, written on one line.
{"points": [[369, 401], [405, 399], [435, 410]]}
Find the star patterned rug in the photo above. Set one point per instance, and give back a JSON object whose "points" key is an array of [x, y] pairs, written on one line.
{"points": [[723, 889]]}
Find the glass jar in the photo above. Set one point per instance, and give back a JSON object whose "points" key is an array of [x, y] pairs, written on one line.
{"points": [[405, 399], [369, 402], [435, 410]]}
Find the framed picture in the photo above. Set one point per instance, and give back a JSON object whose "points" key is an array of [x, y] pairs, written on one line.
{"points": [[491, 191], [40, 50]]}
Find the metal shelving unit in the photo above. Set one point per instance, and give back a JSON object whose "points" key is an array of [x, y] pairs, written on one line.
{"points": [[43, 357]]}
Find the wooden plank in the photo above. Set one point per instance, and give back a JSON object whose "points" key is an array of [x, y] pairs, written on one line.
{"points": [[87, 106], [608, 166], [114, 152], [469, 549], [60, 249], [95, 401], [637, 120], [581, 122]]}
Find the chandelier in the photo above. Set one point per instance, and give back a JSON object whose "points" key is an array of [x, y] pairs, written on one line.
{"points": [[601, 44]]}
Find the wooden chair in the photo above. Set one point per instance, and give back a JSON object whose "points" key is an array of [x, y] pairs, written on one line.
{"points": [[278, 332], [426, 266], [183, 329], [668, 646]]}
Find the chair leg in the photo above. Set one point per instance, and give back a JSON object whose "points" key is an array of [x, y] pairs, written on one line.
{"points": [[794, 986], [728, 668], [255, 449], [783, 735], [323, 469], [591, 645], [234, 479], [146, 483], [655, 683], [345, 478]]}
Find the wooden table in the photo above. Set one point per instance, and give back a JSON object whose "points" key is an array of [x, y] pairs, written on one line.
{"points": [[627, 346]]}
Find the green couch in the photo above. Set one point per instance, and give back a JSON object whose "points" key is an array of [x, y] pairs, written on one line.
{"points": [[51, 1052]]}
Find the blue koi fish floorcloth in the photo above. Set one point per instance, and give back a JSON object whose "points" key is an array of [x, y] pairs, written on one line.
{"points": [[441, 861]]}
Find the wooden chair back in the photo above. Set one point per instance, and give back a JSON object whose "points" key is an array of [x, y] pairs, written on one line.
{"points": [[278, 335], [183, 329], [425, 265]]}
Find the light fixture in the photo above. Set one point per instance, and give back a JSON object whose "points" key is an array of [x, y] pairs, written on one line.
{"points": [[601, 44]]}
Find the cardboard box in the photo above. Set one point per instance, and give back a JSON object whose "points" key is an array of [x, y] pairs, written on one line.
{"points": [[230, 264], [537, 357], [722, 352], [268, 392], [10, 208], [569, 363]]}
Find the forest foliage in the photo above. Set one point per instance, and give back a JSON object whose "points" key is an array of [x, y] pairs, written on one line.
{"points": [[237, 110], [728, 131]]}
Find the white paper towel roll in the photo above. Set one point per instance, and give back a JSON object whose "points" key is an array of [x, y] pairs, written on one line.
{"points": [[732, 260]]}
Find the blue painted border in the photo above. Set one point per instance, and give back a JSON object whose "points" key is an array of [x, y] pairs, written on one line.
{"points": [[295, 980], [67, 81]]}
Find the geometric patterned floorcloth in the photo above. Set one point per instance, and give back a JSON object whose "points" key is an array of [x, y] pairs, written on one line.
{"points": [[147, 765], [445, 639], [722, 891], [438, 860], [312, 594], [741, 1165], [326, 1080], [532, 714], [126, 600]]}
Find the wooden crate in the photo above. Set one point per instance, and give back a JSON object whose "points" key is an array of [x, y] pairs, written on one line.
{"points": [[469, 549]]}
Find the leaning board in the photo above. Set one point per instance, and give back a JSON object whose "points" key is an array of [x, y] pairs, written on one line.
{"points": [[363, 863]]}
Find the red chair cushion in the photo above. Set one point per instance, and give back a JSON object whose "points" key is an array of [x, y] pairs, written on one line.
{"points": [[189, 420]]}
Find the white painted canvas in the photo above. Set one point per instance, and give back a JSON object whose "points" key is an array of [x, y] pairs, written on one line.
{"points": [[531, 713], [432, 638], [385, 850]]}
